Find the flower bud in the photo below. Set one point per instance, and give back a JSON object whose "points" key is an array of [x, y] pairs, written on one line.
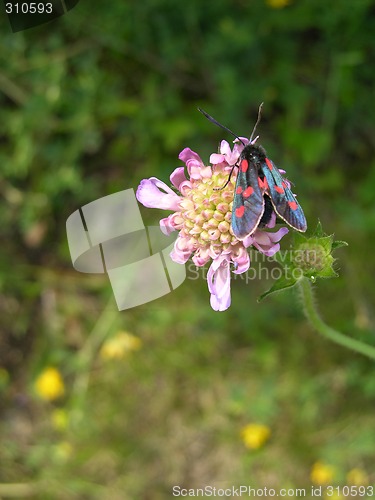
{"points": [[313, 258]]}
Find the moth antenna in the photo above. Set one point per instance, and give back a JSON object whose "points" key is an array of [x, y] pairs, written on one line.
{"points": [[209, 117], [257, 122]]}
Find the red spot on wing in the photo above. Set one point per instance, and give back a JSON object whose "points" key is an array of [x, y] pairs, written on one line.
{"points": [[293, 205], [279, 189], [285, 185], [263, 184], [239, 190], [248, 192], [240, 211], [269, 164], [244, 165]]}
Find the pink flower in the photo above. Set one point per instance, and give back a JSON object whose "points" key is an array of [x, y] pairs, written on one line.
{"points": [[226, 155], [202, 214]]}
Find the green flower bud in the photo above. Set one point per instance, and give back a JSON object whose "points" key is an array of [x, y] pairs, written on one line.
{"points": [[311, 257]]}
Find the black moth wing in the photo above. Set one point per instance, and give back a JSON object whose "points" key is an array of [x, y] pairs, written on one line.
{"points": [[268, 211], [248, 201], [284, 202]]}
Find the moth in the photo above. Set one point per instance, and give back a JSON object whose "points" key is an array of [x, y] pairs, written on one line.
{"points": [[260, 188]]}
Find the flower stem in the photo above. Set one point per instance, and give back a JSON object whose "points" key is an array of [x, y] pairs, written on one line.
{"points": [[316, 321], [99, 332]]}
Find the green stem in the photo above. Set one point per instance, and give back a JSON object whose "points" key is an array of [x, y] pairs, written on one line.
{"points": [[313, 316], [100, 331]]}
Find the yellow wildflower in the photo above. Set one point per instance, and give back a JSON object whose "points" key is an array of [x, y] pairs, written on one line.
{"points": [[277, 4], [120, 345], [322, 473], [255, 435], [357, 477], [50, 385]]}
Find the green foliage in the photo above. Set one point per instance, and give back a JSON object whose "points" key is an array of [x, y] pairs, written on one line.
{"points": [[91, 104]]}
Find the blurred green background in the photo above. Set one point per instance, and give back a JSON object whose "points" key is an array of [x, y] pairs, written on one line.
{"points": [[99, 404]]}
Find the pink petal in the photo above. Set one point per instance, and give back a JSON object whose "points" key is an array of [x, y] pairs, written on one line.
{"points": [[188, 154], [206, 172], [226, 154], [178, 176], [149, 194], [272, 221], [232, 156], [261, 238], [181, 251], [269, 252], [243, 140], [238, 147], [242, 260], [166, 225], [278, 234], [198, 173], [185, 187], [267, 243], [220, 304], [201, 257], [179, 257], [191, 158], [248, 241], [216, 158], [225, 148], [218, 280]]}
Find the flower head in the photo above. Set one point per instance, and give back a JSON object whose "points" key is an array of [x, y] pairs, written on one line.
{"points": [[202, 214], [120, 345], [357, 477], [255, 435], [322, 473], [50, 385]]}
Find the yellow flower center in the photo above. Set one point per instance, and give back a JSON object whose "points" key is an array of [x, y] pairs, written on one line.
{"points": [[206, 212]]}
